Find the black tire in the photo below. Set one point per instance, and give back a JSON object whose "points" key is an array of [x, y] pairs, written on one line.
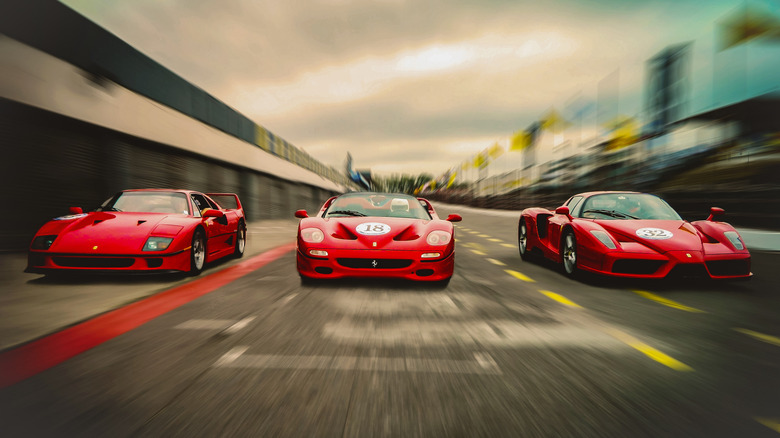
{"points": [[522, 241], [569, 253], [197, 253], [240, 240]]}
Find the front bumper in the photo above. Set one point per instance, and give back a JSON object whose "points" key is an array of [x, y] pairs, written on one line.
{"points": [[376, 264], [671, 264], [42, 262]]}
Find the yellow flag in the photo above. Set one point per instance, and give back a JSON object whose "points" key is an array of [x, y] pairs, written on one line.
{"points": [[624, 133], [453, 175], [553, 121], [495, 151], [480, 160]]}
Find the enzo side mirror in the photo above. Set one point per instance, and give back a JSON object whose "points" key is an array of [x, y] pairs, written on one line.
{"points": [[454, 218], [301, 214], [715, 211], [564, 210], [75, 210]]}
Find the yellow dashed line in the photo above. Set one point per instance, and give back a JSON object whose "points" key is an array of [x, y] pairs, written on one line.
{"points": [[473, 232], [496, 262], [560, 298], [508, 245], [769, 339], [649, 351], [667, 302], [771, 423], [477, 252], [519, 276], [483, 235], [495, 240]]}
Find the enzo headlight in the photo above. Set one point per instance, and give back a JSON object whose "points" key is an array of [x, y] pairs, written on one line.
{"points": [[603, 238], [312, 235], [43, 242], [157, 243], [438, 238], [733, 237]]}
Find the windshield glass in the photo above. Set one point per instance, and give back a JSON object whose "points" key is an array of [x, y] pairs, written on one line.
{"points": [[148, 202], [627, 206], [377, 205]]}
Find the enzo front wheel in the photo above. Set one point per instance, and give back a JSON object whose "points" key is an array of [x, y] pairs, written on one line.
{"points": [[197, 253], [569, 253], [522, 240]]}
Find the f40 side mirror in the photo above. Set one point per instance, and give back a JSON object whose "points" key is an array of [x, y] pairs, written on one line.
{"points": [[715, 211], [301, 214], [213, 213]]}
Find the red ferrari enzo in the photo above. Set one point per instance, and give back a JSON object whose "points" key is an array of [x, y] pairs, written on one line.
{"points": [[629, 234], [366, 234], [149, 230]]}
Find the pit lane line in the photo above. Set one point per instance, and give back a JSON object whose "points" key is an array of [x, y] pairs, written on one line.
{"points": [[37, 356]]}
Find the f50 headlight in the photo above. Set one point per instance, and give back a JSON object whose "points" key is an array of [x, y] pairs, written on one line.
{"points": [[603, 237], [43, 242], [312, 235], [438, 238], [157, 243], [733, 237]]}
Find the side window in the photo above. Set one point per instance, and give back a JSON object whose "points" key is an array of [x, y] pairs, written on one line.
{"points": [[200, 202], [575, 205]]}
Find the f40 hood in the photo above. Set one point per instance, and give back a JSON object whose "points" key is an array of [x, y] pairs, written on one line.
{"points": [[108, 232]]}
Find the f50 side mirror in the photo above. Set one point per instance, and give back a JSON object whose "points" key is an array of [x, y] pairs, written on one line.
{"points": [[454, 218], [301, 214], [75, 210]]}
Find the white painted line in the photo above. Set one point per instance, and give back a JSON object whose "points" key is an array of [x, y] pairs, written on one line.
{"points": [[487, 362], [289, 297], [205, 324], [239, 325], [230, 356], [236, 359]]}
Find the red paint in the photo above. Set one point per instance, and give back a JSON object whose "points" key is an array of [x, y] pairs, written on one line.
{"points": [[30, 359]]}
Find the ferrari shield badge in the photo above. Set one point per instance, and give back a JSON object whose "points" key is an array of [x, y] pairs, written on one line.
{"points": [[654, 233], [373, 229]]}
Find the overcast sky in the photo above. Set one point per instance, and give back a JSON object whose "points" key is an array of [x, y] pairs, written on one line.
{"points": [[406, 86]]}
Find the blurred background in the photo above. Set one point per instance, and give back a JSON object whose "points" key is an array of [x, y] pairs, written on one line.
{"points": [[85, 114]]}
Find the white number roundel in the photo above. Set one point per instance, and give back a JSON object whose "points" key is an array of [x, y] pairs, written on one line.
{"points": [[653, 233], [373, 228]]}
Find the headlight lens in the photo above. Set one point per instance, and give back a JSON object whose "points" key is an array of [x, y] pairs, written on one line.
{"points": [[603, 238], [43, 242], [312, 235], [438, 238], [733, 237], [157, 243]]}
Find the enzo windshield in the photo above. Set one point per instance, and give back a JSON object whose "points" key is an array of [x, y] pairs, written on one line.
{"points": [[149, 202], [627, 206], [377, 205]]}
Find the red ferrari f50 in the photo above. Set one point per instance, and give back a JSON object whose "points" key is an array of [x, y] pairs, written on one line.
{"points": [[368, 234], [148, 230]]}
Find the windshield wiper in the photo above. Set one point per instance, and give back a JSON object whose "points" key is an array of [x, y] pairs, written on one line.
{"points": [[612, 213], [346, 212]]}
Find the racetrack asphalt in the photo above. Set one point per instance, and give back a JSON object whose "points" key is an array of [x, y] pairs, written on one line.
{"points": [[33, 306]]}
